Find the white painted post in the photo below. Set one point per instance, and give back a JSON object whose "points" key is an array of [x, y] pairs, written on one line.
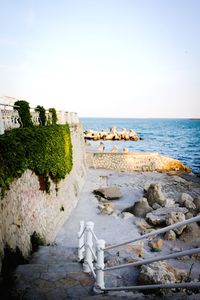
{"points": [[1, 123], [88, 261], [81, 240], [99, 284]]}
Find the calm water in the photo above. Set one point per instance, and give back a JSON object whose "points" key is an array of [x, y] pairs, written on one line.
{"points": [[177, 138]]}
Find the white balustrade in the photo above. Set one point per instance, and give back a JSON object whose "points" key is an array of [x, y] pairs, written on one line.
{"points": [[35, 117], [10, 119]]}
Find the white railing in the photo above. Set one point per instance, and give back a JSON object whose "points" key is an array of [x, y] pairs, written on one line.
{"points": [[35, 117], [67, 117], [10, 119], [93, 257]]}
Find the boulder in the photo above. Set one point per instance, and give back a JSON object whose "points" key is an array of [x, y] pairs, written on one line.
{"points": [[169, 203], [189, 215], [106, 208], [109, 193], [113, 130], [191, 234], [156, 206], [109, 136], [183, 197], [140, 208], [197, 203], [160, 272], [190, 205], [156, 245], [158, 217], [127, 215], [176, 217], [155, 195], [101, 147], [114, 149], [170, 235]]}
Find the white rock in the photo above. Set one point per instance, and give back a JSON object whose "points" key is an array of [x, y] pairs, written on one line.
{"points": [[176, 217], [183, 197]]}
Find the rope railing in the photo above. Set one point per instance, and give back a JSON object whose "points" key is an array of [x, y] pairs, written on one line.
{"points": [[85, 252], [150, 260], [156, 232], [155, 286]]}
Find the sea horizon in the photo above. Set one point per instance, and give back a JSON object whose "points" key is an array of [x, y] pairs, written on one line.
{"points": [[178, 138]]}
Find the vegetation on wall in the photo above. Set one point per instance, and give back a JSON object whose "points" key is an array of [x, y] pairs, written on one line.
{"points": [[42, 115], [46, 150], [53, 116], [24, 113]]}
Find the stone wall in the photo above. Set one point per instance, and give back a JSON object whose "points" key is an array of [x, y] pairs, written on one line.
{"points": [[133, 161], [25, 208]]}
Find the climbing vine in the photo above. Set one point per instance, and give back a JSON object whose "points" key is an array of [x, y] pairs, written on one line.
{"points": [[46, 150], [42, 115], [24, 112]]}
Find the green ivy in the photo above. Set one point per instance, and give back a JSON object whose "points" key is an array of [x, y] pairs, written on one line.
{"points": [[46, 150], [24, 113], [42, 115], [54, 116]]}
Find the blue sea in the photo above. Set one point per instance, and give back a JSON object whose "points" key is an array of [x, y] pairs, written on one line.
{"points": [[177, 138]]}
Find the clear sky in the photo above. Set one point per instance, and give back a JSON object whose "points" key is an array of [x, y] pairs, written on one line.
{"points": [[106, 58]]}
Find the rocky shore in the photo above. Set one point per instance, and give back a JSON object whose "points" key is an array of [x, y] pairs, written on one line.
{"points": [[124, 206]]}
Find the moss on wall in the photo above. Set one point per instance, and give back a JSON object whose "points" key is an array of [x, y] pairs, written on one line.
{"points": [[47, 151]]}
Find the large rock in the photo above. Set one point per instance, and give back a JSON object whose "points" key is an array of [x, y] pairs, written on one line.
{"points": [[191, 234], [176, 217], [160, 272], [159, 216], [109, 193], [140, 208], [170, 235], [197, 203], [184, 197], [155, 195]]}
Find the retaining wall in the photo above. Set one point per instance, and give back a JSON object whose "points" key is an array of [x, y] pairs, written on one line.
{"points": [[133, 161], [25, 208]]}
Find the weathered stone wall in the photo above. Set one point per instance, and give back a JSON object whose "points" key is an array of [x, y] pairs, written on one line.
{"points": [[25, 208], [133, 161]]}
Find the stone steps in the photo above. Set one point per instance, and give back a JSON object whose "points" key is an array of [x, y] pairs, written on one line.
{"points": [[54, 254], [54, 273]]}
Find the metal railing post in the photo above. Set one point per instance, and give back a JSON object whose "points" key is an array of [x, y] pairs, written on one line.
{"points": [[81, 239], [99, 284], [88, 261]]}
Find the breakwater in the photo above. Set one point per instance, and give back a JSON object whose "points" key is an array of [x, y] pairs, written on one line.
{"points": [[134, 161], [112, 135]]}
